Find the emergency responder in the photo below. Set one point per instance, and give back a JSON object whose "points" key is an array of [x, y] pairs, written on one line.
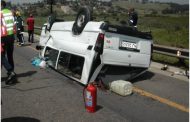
{"points": [[20, 28], [133, 17], [30, 23], [7, 41]]}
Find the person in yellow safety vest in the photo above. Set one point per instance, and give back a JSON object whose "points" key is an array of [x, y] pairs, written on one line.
{"points": [[7, 40]]}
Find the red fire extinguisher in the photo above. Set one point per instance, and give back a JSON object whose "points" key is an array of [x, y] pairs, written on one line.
{"points": [[90, 98]]}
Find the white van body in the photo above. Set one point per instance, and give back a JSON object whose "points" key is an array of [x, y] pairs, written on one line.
{"points": [[100, 50]]}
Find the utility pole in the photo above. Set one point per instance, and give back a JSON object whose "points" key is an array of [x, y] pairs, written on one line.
{"points": [[51, 2]]}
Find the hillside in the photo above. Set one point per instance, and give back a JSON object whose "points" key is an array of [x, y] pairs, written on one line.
{"points": [[169, 23]]}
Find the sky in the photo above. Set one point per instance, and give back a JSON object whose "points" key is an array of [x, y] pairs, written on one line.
{"points": [[174, 1]]}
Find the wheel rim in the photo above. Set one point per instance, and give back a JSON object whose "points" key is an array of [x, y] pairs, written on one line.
{"points": [[80, 20]]}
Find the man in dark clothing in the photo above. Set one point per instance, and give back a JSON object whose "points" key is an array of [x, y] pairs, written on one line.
{"points": [[30, 23], [133, 17], [20, 28]]}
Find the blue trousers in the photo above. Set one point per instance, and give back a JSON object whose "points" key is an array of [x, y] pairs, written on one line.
{"points": [[5, 63]]}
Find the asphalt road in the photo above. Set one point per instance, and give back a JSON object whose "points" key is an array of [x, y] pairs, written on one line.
{"points": [[43, 95]]}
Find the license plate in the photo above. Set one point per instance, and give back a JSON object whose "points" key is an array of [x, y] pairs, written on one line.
{"points": [[125, 44]]}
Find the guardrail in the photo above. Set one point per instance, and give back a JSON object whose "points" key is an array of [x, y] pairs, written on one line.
{"points": [[165, 50], [171, 51], [36, 27]]}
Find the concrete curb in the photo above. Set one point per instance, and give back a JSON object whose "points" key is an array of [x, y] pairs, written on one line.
{"points": [[171, 70]]}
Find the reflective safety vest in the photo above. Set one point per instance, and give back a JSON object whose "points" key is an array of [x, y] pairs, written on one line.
{"points": [[8, 26]]}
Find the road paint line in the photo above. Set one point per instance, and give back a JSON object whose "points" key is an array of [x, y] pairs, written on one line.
{"points": [[160, 99]]}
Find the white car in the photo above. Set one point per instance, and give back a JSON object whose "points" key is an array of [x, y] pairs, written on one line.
{"points": [[86, 50]]}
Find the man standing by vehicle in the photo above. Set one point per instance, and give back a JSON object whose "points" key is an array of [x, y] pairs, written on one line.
{"points": [[133, 17], [30, 23], [7, 38], [20, 28]]}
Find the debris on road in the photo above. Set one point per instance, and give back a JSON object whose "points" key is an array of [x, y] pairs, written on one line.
{"points": [[39, 62], [184, 73], [121, 87], [165, 67]]}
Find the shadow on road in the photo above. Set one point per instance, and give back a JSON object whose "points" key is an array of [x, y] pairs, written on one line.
{"points": [[29, 73], [28, 44], [20, 119], [98, 107], [147, 75]]}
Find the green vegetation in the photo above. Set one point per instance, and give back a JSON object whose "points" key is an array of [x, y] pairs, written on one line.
{"points": [[142, 8], [167, 30], [171, 31]]}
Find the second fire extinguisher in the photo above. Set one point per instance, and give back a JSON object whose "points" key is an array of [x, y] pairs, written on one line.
{"points": [[90, 97]]}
